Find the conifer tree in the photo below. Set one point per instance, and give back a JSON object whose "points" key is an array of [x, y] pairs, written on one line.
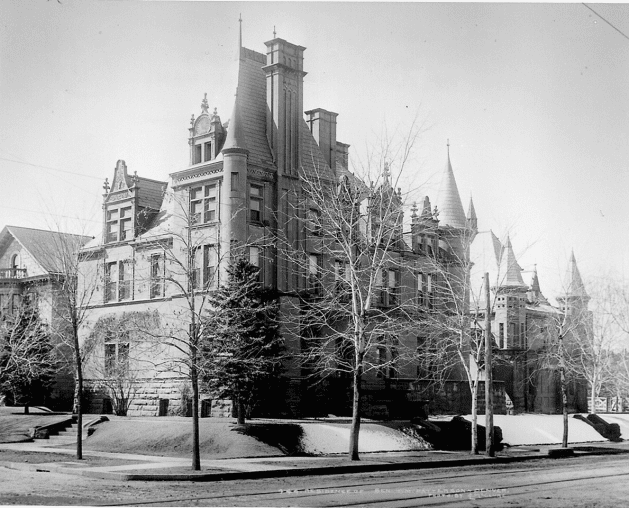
{"points": [[27, 361], [241, 347]]}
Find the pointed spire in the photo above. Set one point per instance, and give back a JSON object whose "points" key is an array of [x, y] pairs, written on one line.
{"points": [[509, 271], [535, 281], [235, 134], [472, 220], [240, 31], [451, 211], [573, 284], [534, 294]]}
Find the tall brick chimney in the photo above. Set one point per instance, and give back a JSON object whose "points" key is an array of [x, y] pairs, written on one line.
{"points": [[285, 101], [322, 125]]}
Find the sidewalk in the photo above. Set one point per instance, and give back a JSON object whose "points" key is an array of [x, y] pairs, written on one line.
{"points": [[129, 467]]}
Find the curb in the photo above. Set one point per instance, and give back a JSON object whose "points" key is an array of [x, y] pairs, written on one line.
{"points": [[301, 471], [270, 473]]}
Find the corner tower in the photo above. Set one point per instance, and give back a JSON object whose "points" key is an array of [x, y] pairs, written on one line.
{"points": [[285, 101]]}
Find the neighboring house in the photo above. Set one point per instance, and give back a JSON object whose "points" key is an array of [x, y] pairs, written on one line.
{"points": [[242, 185], [29, 268], [524, 325]]}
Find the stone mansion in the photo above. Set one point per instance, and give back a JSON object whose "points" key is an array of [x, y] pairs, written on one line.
{"points": [[244, 183]]}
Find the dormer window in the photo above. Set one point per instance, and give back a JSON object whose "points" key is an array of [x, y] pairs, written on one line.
{"points": [[119, 225], [208, 151], [125, 224], [112, 225], [197, 154]]}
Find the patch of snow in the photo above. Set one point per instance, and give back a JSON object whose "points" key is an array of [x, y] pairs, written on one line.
{"points": [[533, 429], [319, 438]]}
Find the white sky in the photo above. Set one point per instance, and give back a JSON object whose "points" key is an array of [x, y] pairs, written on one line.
{"points": [[533, 97]]}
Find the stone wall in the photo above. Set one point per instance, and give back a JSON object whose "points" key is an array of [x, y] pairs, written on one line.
{"points": [[151, 396]]}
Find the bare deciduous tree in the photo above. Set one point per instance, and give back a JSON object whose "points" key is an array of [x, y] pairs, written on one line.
{"points": [[356, 313]]}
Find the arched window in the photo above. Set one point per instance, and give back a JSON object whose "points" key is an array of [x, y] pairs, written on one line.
{"points": [[15, 261]]}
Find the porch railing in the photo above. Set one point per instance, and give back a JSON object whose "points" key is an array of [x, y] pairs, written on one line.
{"points": [[12, 273]]}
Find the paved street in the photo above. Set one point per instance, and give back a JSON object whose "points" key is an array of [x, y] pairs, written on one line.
{"points": [[597, 481]]}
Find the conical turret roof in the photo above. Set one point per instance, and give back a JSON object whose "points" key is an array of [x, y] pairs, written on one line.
{"points": [[573, 283], [509, 271], [471, 211], [235, 134], [449, 204]]}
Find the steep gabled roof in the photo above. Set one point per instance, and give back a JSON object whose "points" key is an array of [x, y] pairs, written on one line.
{"points": [[252, 107], [44, 246]]}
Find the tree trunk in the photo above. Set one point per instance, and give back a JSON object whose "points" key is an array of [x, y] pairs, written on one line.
{"points": [[489, 378], [564, 403], [26, 409], [78, 394], [474, 450], [564, 394], [196, 454], [593, 397], [240, 408], [355, 428]]}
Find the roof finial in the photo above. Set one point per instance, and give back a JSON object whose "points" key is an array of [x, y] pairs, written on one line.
{"points": [[448, 145], [386, 172], [204, 104], [240, 31], [106, 185], [274, 33]]}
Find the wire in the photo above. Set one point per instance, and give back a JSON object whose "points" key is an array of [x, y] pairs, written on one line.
{"points": [[48, 213], [48, 167], [621, 33]]}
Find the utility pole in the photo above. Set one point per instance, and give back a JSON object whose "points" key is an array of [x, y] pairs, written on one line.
{"points": [[489, 396]]}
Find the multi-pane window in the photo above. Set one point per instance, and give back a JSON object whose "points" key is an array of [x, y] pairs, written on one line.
{"points": [[112, 225], [208, 151], [197, 154], [314, 279], [426, 290], [314, 222], [255, 203], [126, 224], [235, 181], [204, 273], [209, 203], [501, 335], [118, 278], [157, 276], [111, 282], [394, 287], [119, 225], [203, 204], [341, 280], [195, 269], [116, 356], [124, 280], [210, 267], [381, 358], [393, 365]]}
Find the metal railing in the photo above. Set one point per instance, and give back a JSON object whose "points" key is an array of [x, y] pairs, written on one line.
{"points": [[12, 273]]}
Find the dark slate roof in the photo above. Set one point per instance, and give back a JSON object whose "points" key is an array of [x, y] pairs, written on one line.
{"points": [[46, 246], [252, 105], [150, 193]]}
